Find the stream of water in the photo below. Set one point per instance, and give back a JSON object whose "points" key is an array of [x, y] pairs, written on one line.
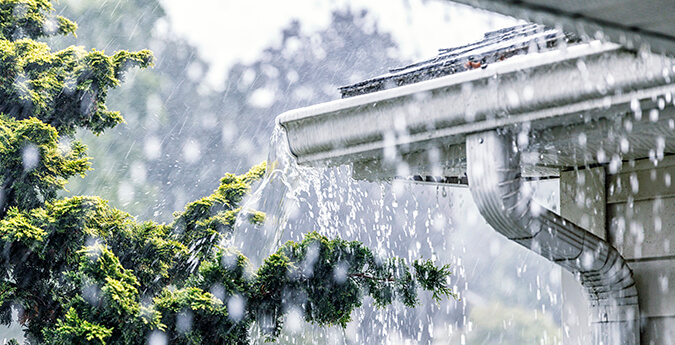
{"points": [[410, 221], [278, 196]]}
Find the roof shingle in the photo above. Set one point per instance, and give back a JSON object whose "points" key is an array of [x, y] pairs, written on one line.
{"points": [[496, 46]]}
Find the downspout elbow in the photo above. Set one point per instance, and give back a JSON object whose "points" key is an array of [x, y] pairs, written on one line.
{"points": [[493, 169]]}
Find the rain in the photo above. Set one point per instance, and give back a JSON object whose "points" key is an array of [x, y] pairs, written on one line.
{"points": [[370, 121]]}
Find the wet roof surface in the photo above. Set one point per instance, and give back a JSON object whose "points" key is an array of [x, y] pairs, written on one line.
{"points": [[494, 47], [634, 24]]}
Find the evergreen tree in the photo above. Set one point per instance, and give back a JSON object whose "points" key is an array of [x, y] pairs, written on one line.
{"points": [[81, 271], [180, 135]]}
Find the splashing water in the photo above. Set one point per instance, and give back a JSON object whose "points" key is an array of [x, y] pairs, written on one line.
{"points": [[276, 196], [393, 219]]}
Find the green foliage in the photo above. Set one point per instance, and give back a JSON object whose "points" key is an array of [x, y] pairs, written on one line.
{"points": [[65, 89], [83, 272], [207, 220], [44, 97], [327, 279], [34, 167], [31, 19], [433, 278], [73, 330], [198, 317]]}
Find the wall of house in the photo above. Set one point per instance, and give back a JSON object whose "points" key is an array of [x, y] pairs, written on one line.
{"points": [[641, 224], [635, 211]]}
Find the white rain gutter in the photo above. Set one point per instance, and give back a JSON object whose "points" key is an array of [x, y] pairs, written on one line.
{"points": [[543, 89], [493, 168]]}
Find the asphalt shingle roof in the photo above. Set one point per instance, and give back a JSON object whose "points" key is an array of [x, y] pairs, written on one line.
{"points": [[494, 47]]}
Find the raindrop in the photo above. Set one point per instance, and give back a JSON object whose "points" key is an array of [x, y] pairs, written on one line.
{"points": [[625, 145], [660, 147], [523, 140], [609, 78], [602, 157], [30, 157], [138, 172], [191, 151], [587, 259], [184, 321], [607, 102], [528, 93], [294, 320], [614, 164], [125, 192], [661, 103], [634, 184], [218, 291], [653, 115], [402, 169], [262, 98], [235, 308], [389, 143], [92, 294], [152, 147], [657, 224], [157, 338], [663, 283], [195, 71], [581, 66], [637, 115], [512, 97], [340, 272]]}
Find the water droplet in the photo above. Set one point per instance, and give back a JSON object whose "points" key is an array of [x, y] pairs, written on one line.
{"points": [[661, 103], [30, 157], [625, 145], [157, 338], [602, 157], [663, 283], [653, 115], [236, 308]]}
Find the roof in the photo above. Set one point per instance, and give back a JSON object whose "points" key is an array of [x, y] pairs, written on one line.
{"points": [[494, 47], [632, 23]]}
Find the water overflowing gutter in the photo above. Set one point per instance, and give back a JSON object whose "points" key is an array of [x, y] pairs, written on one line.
{"points": [[586, 87]]}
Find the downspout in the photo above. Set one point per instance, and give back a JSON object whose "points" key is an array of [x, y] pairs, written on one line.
{"points": [[493, 169]]}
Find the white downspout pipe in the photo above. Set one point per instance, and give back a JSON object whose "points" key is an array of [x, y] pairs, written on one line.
{"points": [[493, 169]]}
